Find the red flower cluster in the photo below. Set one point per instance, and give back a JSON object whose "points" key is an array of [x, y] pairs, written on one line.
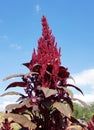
{"points": [[6, 125], [46, 61]]}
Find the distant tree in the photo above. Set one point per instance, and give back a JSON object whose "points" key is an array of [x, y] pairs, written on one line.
{"points": [[82, 113]]}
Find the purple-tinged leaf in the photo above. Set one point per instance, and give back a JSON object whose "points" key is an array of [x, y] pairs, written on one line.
{"points": [[26, 64], [21, 109], [82, 102], [70, 93], [35, 65], [11, 93], [74, 127], [70, 85], [16, 84], [48, 92], [70, 77], [63, 108], [11, 107], [21, 98], [20, 119], [75, 121], [69, 102], [13, 76], [30, 73]]}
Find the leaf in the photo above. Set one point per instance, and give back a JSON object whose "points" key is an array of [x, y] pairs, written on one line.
{"points": [[70, 85], [16, 84], [11, 107], [74, 120], [70, 77], [26, 102], [11, 93], [36, 65], [13, 76], [82, 102], [68, 101], [48, 92], [63, 108], [24, 105], [69, 92], [21, 98], [26, 64], [20, 119], [32, 73], [74, 127]]}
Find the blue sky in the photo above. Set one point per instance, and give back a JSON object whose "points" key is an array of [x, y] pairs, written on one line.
{"points": [[72, 24]]}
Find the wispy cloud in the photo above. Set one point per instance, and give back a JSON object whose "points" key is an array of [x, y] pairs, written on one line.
{"points": [[16, 46], [85, 78], [6, 100], [38, 8], [3, 36], [88, 98]]}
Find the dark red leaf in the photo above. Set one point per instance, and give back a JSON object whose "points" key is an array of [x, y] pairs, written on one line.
{"points": [[70, 85], [26, 64], [16, 84], [69, 101], [11, 93], [74, 120], [21, 109], [13, 76], [82, 102]]}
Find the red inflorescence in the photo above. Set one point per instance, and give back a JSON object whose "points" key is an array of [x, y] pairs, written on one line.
{"points": [[48, 58]]}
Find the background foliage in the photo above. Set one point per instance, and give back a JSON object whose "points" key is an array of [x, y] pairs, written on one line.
{"points": [[82, 113]]}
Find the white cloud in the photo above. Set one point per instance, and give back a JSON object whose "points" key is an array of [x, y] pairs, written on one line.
{"points": [[16, 46], [37, 7], [88, 98], [85, 78], [6, 100], [3, 105]]}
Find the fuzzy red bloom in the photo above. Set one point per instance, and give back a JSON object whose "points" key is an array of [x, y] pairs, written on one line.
{"points": [[48, 58], [6, 125]]}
